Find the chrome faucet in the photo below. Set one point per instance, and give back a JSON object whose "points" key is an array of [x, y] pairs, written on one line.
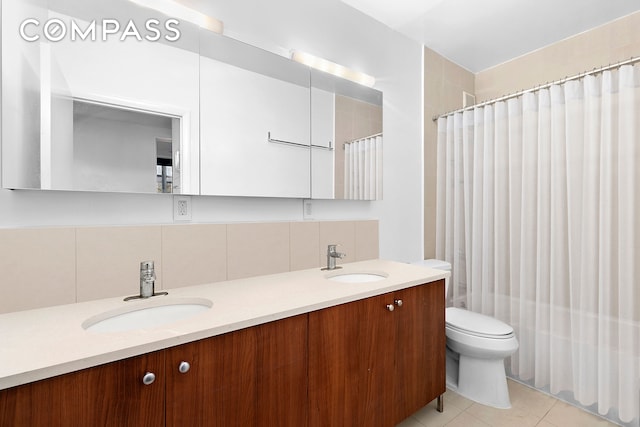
{"points": [[147, 282], [332, 254], [147, 279]]}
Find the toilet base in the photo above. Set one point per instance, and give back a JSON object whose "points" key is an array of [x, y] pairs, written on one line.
{"points": [[483, 381], [452, 370]]}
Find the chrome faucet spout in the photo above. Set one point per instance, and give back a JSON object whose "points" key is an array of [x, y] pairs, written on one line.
{"points": [[147, 279], [332, 255], [147, 282]]}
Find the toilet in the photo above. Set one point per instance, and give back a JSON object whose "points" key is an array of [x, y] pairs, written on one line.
{"points": [[476, 348]]}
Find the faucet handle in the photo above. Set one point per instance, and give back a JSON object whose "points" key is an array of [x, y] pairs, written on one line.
{"points": [[146, 265], [331, 251], [147, 270]]}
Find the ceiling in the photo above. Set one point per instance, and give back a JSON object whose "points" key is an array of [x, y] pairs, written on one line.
{"points": [[478, 34]]}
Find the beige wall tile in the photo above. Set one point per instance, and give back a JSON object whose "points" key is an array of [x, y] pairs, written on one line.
{"points": [[257, 249], [305, 245], [367, 240], [341, 233], [444, 82], [108, 260], [37, 268], [193, 254], [430, 233], [607, 44]]}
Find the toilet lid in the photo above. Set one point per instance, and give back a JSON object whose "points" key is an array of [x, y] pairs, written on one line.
{"points": [[435, 264], [477, 324]]}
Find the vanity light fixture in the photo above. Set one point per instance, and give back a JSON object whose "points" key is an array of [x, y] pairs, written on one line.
{"points": [[176, 10], [333, 68]]}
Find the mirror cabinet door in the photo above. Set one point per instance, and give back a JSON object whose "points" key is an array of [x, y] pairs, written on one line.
{"points": [[350, 116], [255, 125], [98, 110]]}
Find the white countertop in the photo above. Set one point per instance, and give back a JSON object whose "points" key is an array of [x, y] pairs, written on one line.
{"points": [[42, 343]]}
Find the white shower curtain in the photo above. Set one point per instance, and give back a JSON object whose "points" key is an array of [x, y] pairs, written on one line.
{"points": [[539, 213], [363, 168]]}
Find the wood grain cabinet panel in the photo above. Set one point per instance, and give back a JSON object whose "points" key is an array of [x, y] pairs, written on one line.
{"points": [[219, 388], [282, 378], [372, 366], [420, 343], [350, 362], [108, 395], [251, 377]]}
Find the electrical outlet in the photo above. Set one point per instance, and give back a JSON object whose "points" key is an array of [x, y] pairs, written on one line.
{"points": [[182, 208], [307, 209]]}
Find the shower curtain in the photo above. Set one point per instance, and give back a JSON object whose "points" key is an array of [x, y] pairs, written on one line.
{"points": [[363, 168], [539, 214]]}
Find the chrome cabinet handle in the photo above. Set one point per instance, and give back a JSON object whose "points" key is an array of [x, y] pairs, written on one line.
{"points": [[148, 378], [390, 307], [398, 302], [184, 367]]}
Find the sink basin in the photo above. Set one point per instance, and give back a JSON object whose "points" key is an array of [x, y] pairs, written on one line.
{"points": [[357, 277], [147, 314]]}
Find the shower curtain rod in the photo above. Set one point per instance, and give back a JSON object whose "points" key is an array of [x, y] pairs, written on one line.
{"points": [[544, 86], [364, 137]]}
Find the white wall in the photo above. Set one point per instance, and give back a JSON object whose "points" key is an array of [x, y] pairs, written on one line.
{"points": [[326, 28]]}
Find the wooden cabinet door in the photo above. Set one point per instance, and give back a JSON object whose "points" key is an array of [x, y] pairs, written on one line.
{"points": [[220, 387], [108, 395], [420, 347], [351, 364], [282, 373], [251, 377]]}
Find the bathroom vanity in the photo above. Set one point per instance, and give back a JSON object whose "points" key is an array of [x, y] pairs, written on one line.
{"points": [[289, 349]]}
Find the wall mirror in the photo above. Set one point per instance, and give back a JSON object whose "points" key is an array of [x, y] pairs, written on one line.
{"points": [[347, 117], [97, 113], [255, 125], [203, 114]]}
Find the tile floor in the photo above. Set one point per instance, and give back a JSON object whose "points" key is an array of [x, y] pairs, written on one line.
{"points": [[528, 408]]}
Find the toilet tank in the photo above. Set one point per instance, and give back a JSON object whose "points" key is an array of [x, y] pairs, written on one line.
{"points": [[437, 264]]}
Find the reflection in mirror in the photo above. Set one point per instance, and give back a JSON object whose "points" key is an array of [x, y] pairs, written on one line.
{"points": [[56, 93], [109, 148], [349, 116]]}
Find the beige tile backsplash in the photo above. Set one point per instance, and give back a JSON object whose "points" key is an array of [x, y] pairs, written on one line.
{"points": [[37, 268], [108, 259], [52, 266], [193, 254], [257, 249], [341, 233], [367, 238], [304, 245]]}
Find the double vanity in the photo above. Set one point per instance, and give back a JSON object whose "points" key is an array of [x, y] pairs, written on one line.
{"points": [[360, 345]]}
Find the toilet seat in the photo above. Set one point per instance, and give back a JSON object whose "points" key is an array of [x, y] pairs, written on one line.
{"points": [[476, 324]]}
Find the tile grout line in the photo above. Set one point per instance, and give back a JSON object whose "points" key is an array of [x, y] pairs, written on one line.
{"points": [[547, 413]]}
